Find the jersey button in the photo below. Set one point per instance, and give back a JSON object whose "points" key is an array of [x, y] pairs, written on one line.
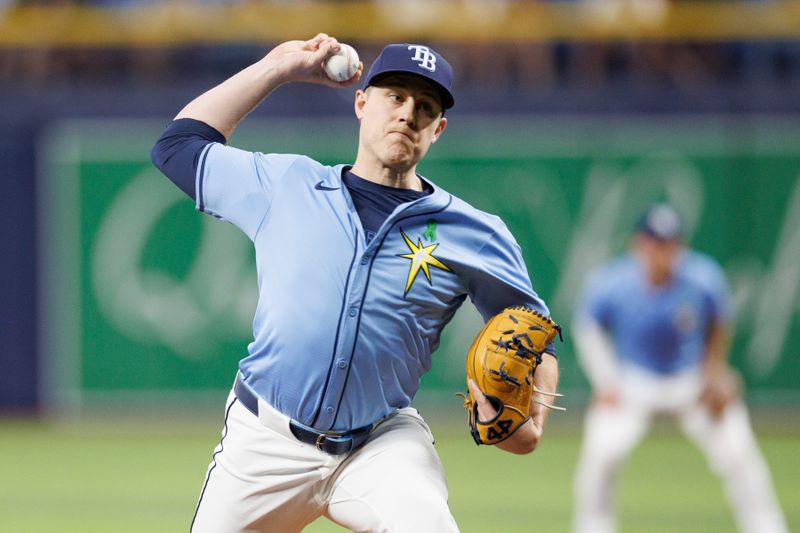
{"points": [[364, 260], [342, 363], [329, 410], [353, 311]]}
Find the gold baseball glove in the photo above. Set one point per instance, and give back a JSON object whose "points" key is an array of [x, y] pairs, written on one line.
{"points": [[501, 361]]}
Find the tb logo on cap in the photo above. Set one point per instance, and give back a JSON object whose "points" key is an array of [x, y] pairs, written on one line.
{"points": [[424, 56]]}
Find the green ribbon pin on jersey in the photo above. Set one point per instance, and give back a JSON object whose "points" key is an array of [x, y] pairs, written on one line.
{"points": [[430, 233]]}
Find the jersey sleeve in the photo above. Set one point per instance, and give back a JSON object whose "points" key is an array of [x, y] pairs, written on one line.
{"points": [[236, 185], [717, 292], [503, 280], [594, 303], [177, 152]]}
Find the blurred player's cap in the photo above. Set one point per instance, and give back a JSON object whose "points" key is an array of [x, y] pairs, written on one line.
{"points": [[415, 59], [662, 222]]}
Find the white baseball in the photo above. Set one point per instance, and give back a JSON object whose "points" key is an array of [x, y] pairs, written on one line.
{"points": [[343, 65]]}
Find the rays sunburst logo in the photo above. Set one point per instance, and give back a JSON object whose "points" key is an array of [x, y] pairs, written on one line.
{"points": [[421, 258]]}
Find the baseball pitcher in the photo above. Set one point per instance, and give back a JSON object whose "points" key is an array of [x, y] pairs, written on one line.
{"points": [[360, 266]]}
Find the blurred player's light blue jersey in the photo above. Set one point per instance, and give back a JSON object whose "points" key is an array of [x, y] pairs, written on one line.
{"points": [[344, 329], [662, 328]]}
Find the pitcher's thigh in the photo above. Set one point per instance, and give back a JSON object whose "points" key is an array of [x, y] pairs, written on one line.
{"points": [[258, 481], [394, 483]]}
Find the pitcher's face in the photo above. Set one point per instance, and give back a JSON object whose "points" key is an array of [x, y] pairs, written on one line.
{"points": [[401, 116]]}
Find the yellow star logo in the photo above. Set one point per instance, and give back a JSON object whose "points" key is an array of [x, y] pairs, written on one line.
{"points": [[421, 258]]}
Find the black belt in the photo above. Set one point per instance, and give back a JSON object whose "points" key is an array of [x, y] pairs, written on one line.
{"points": [[335, 443]]}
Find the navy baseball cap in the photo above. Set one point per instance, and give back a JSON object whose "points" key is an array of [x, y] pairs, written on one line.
{"points": [[661, 222], [414, 59]]}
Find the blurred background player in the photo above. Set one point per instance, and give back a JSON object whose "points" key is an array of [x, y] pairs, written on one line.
{"points": [[651, 333]]}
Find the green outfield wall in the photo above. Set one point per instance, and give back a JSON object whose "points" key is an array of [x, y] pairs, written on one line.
{"points": [[142, 297]]}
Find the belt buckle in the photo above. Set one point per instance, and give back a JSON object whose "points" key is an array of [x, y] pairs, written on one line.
{"points": [[320, 438]]}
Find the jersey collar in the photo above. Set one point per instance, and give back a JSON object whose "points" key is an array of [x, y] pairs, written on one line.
{"points": [[438, 199]]}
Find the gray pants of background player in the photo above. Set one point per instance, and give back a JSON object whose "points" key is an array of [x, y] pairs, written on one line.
{"points": [[728, 443]]}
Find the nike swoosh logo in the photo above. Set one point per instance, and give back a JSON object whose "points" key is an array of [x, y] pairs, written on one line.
{"points": [[320, 187]]}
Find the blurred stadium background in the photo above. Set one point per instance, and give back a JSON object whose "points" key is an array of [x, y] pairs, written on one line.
{"points": [[124, 312]]}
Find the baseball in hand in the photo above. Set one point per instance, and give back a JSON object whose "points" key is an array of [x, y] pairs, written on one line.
{"points": [[343, 65]]}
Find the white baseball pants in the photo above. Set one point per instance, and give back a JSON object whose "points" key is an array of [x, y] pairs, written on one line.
{"points": [[263, 479], [728, 444]]}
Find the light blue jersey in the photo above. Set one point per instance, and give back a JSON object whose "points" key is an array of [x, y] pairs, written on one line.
{"points": [[661, 328], [344, 330]]}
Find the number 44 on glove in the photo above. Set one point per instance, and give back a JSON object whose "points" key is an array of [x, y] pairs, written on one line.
{"points": [[502, 361]]}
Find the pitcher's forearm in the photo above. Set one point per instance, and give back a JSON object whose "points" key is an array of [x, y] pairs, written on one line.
{"points": [[717, 343], [224, 106], [546, 380]]}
